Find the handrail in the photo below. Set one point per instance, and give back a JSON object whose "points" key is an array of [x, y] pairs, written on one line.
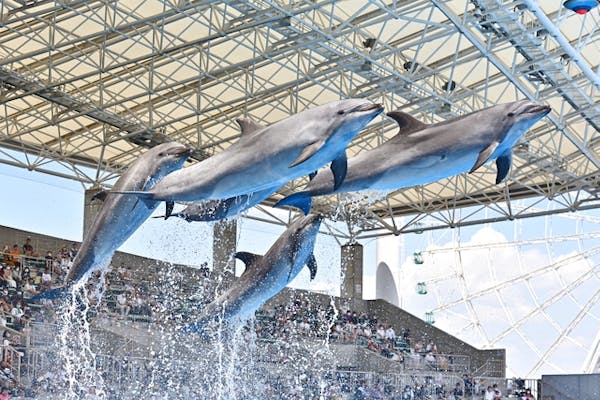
{"points": [[13, 356]]}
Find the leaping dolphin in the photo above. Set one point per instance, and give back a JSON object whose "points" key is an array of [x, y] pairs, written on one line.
{"points": [[265, 276], [120, 215], [271, 156], [216, 210], [422, 153]]}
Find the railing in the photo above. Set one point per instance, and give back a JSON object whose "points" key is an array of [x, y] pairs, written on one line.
{"points": [[491, 367], [12, 356], [125, 372]]}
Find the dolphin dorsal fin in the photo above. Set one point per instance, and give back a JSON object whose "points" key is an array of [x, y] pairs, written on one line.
{"points": [[248, 258], [406, 122], [248, 126]]}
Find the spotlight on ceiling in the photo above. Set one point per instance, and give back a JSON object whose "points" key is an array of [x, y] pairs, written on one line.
{"points": [[369, 43], [449, 86], [580, 6]]}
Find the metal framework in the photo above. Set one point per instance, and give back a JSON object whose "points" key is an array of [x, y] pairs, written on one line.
{"points": [[85, 86]]}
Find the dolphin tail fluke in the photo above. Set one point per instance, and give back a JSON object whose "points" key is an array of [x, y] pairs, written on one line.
{"points": [[52, 294], [503, 166], [300, 200]]}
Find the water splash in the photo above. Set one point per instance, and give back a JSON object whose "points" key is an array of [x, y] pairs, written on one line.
{"points": [[75, 353]]}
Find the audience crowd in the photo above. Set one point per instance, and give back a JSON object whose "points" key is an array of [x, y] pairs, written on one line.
{"points": [[24, 273]]}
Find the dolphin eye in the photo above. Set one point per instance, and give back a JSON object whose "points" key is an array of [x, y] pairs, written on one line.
{"points": [[341, 112], [511, 114], [161, 154]]}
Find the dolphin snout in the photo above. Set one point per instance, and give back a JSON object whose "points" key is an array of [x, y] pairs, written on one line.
{"points": [[540, 109], [369, 107], [314, 218], [181, 151]]}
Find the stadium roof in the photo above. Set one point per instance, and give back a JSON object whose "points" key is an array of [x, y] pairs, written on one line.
{"points": [[94, 83]]}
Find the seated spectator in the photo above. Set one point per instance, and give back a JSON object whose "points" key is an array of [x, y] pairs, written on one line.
{"points": [[430, 361], [28, 248], [26, 273], [16, 256], [390, 334], [496, 389], [29, 288], [7, 276], [431, 347], [73, 250], [37, 279], [7, 256], [17, 312], [443, 363], [50, 261], [5, 306], [46, 280], [457, 392], [123, 304], [420, 347], [380, 334], [489, 393], [527, 395], [63, 254]]}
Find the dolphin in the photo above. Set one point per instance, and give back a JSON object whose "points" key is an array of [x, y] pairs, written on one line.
{"points": [[121, 215], [215, 210], [271, 156], [422, 153], [265, 276]]}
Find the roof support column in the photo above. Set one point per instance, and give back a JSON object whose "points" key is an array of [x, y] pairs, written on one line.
{"points": [[352, 271]]}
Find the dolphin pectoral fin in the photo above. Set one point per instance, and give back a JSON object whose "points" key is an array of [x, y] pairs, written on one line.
{"points": [[101, 195], [308, 152], [169, 205], [300, 200], [339, 166], [484, 155], [503, 165], [311, 263], [248, 258]]}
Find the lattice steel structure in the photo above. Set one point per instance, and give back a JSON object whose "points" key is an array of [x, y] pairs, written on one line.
{"points": [[92, 83]]}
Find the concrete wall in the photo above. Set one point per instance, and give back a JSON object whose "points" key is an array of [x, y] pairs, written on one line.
{"points": [[570, 387]]}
